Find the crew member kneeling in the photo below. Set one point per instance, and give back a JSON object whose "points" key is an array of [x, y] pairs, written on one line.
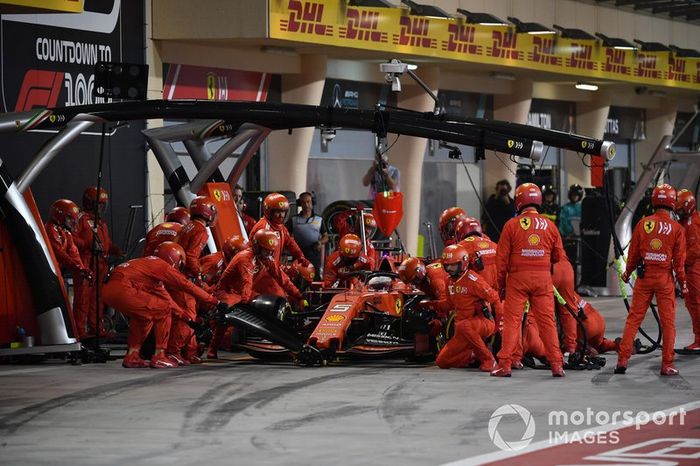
{"points": [[468, 292], [137, 289]]}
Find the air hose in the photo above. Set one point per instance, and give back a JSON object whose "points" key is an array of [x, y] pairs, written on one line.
{"points": [[619, 260]]}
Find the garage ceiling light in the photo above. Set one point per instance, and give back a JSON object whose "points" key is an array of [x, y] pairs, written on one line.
{"points": [[502, 75], [371, 3], [484, 19], [425, 10], [616, 42], [572, 33], [586, 87], [530, 28], [652, 46], [685, 53]]}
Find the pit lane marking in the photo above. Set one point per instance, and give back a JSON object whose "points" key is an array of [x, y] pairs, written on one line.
{"points": [[545, 444]]}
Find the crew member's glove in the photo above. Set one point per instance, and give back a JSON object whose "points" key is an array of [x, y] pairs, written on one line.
{"points": [[222, 307], [304, 261], [625, 277], [684, 290], [86, 274], [434, 327], [300, 303]]}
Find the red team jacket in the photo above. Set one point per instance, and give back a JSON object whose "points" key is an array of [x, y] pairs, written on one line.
{"points": [[335, 269], [150, 274], [436, 287], [286, 240], [659, 241], [692, 236], [484, 248], [193, 238], [468, 293], [528, 242], [64, 248], [83, 239], [236, 283], [166, 231]]}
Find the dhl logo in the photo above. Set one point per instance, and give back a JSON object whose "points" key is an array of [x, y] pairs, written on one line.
{"points": [[615, 61], [305, 17], [676, 70], [362, 25], [461, 40], [504, 45], [414, 32], [646, 67], [544, 52], [581, 57]]}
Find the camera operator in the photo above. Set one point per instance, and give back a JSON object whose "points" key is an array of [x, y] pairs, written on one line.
{"points": [[381, 177]]}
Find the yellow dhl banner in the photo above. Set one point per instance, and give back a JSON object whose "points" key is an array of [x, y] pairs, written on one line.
{"points": [[393, 30], [65, 6]]}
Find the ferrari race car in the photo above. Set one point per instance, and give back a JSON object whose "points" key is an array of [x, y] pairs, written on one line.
{"points": [[380, 317]]}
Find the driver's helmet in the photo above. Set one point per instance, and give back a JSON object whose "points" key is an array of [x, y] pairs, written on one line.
{"points": [[381, 283]]}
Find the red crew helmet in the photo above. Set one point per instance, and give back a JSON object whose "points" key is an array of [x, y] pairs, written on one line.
{"points": [[664, 196], [65, 212], [412, 270], [265, 243], [466, 227], [91, 196], [350, 246], [233, 245], [455, 260], [178, 215], [172, 253], [447, 221], [204, 208], [685, 203], [526, 195], [275, 202]]}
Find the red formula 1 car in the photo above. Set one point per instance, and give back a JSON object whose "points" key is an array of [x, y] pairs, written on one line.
{"points": [[377, 318]]}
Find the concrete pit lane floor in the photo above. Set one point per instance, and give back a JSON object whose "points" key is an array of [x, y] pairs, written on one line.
{"points": [[240, 411]]}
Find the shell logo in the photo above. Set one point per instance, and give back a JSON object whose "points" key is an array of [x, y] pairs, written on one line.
{"points": [[335, 318], [483, 245], [533, 239], [656, 244]]}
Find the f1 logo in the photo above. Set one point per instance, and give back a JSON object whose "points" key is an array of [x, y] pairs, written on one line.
{"points": [[40, 88]]}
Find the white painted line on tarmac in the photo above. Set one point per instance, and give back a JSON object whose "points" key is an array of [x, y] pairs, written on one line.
{"points": [[544, 444]]}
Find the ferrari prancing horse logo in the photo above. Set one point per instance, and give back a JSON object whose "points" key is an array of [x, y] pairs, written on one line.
{"points": [[649, 226], [525, 222]]}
